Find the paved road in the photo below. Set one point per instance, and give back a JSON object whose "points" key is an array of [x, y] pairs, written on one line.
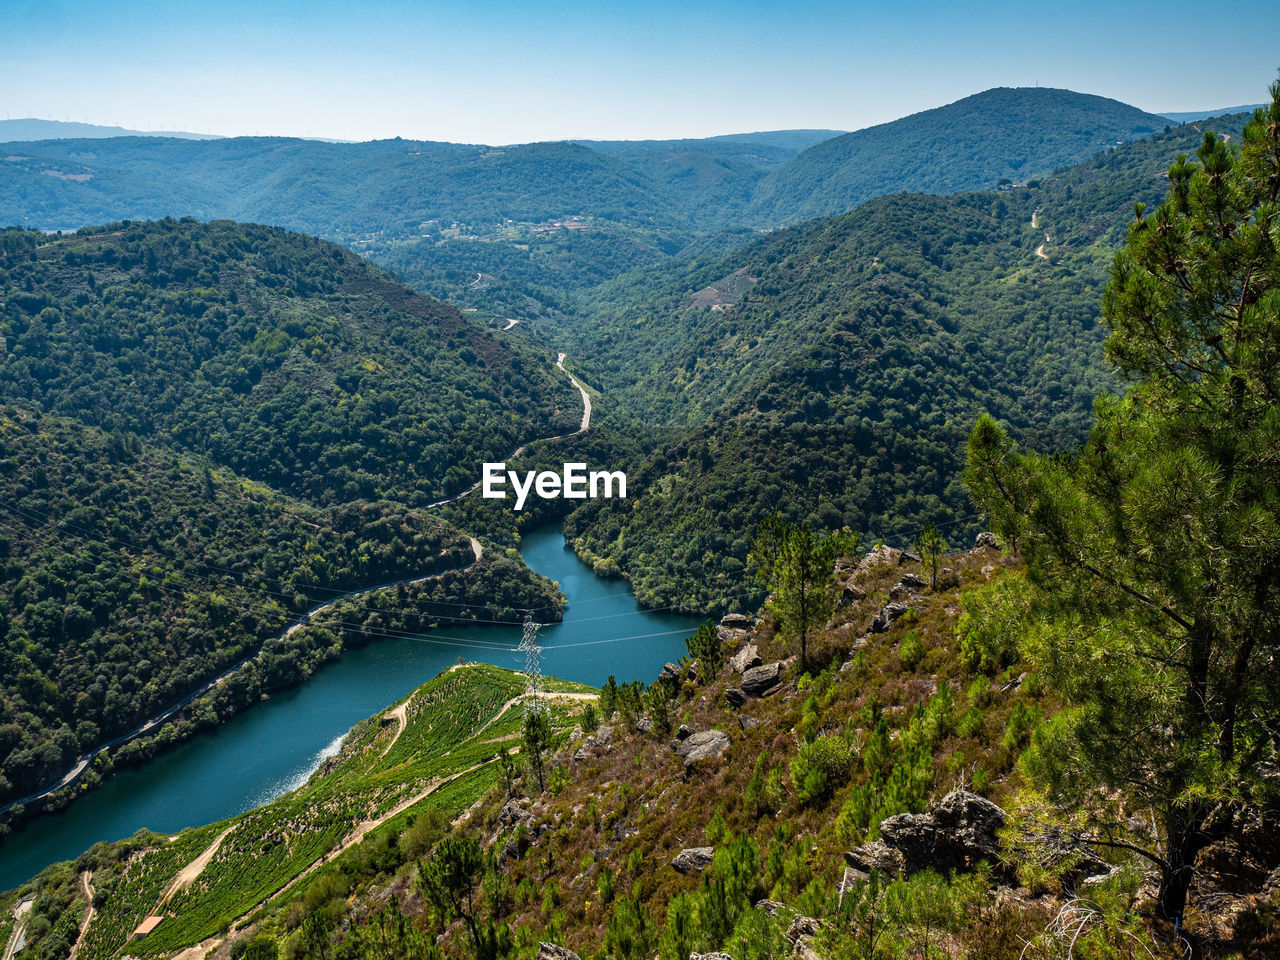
{"points": [[153, 722]]}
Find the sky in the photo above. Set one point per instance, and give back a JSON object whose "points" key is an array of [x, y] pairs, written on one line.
{"points": [[496, 71]]}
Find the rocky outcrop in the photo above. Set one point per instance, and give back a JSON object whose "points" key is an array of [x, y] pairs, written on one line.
{"points": [[760, 680], [745, 659], [669, 672], [598, 742], [986, 541], [956, 834], [693, 858], [710, 956], [851, 595], [888, 614], [876, 855], [735, 697], [551, 951], [800, 935], [736, 621], [705, 745]]}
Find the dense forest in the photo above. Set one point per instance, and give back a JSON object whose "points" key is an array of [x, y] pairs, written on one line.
{"points": [[833, 369], [1008, 133], [288, 359], [130, 575]]}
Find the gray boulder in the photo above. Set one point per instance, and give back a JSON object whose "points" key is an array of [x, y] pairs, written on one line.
{"points": [[693, 858], [758, 681], [705, 745], [670, 672], [986, 541], [876, 855], [710, 956], [886, 617], [551, 951], [745, 659], [956, 834], [803, 927], [736, 621], [850, 595], [771, 907], [735, 696]]}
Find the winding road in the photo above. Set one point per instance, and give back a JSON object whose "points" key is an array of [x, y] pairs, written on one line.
{"points": [[152, 723], [73, 774], [583, 428]]}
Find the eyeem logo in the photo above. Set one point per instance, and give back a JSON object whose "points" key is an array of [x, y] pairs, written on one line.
{"points": [[573, 483]]}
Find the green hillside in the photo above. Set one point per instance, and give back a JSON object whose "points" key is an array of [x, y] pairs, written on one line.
{"points": [[130, 576], [1006, 133], [833, 369], [288, 359]]}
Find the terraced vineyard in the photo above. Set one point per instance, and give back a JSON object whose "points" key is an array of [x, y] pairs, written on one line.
{"points": [[435, 749]]}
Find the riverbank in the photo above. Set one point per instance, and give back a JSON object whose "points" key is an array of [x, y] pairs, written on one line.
{"points": [[272, 747]]}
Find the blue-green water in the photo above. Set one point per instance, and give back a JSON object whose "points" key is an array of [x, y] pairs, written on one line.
{"points": [[274, 746]]}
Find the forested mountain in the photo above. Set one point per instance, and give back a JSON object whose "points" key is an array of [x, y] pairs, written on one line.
{"points": [[289, 359], [833, 369], [1006, 133], [129, 575]]}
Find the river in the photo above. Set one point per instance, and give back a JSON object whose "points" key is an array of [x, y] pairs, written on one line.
{"points": [[275, 746]]}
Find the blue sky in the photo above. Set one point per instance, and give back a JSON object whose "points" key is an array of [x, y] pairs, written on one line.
{"points": [[504, 72]]}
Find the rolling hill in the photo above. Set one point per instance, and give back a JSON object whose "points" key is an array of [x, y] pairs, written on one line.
{"points": [[1007, 132]]}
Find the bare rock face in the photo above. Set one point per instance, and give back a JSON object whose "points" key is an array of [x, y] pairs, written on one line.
{"points": [[886, 617], [758, 681], [736, 621], [551, 951], [693, 858], [912, 581], [851, 594], [705, 745], [876, 855], [802, 929], [670, 672], [745, 659], [956, 834], [986, 541]]}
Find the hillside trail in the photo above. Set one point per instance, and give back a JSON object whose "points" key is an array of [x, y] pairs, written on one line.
{"points": [[545, 696], [401, 717], [20, 911], [1040, 249], [86, 884], [1035, 213], [188, 875], [511, 322]]}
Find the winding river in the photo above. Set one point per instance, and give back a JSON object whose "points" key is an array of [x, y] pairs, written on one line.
{"points": [[275, 746]]}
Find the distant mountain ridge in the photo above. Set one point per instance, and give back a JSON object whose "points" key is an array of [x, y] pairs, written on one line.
{"points": [[1006, 132], [33, 128], [1191, 116]]}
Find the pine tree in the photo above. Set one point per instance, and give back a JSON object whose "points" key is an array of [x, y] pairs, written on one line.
{"points": [[1155, 551], [796, 564]]}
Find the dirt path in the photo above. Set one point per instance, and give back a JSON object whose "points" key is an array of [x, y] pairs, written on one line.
{"points": [[545, 696], [189, 874], [1035, 213], [401, 717], [355, 836], [510, 323], [86, 884], [20, 912], [1040, 249]]}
